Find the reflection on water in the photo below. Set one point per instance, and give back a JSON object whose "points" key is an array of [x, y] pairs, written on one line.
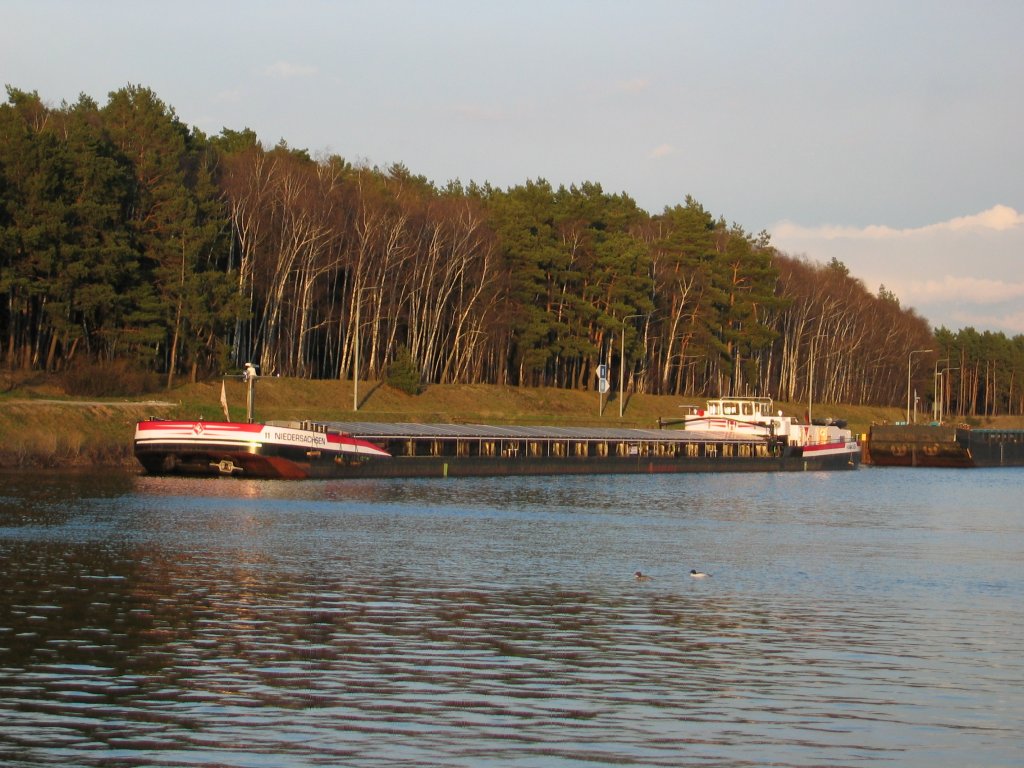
{"points": [[874, 617]]}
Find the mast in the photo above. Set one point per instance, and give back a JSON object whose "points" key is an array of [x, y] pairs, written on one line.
{"points": [[249, 377]]}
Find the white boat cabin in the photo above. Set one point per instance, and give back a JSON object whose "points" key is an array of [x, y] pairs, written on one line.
{"points": [[757, 409], [757, 416]]}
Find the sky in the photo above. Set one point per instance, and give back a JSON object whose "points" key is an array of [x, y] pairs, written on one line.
{"points": [[888, 135]]}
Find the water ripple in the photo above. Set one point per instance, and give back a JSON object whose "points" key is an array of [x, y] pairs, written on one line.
{"points": [[456, 625]]}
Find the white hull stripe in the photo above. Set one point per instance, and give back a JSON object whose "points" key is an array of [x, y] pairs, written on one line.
{"points": [[832, 449], [248, 437]]}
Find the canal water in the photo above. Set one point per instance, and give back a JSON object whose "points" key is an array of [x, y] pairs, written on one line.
{"points": [[852, 619]]}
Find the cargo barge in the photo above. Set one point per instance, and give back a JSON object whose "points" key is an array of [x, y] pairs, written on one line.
{"points": [[731, 435], [901, 445]]}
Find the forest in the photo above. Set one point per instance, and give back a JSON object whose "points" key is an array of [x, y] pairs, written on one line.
{"points": [[128, 238]]}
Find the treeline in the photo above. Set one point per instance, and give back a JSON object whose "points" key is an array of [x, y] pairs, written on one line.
{"points": [[127, 236], [978, 373]]}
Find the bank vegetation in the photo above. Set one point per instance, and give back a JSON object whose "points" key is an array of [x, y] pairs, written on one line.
{"points": [[130, 242]]}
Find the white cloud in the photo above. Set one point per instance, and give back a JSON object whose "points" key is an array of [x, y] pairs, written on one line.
{"points": [[959, 272], [964, 289], [287, 69], [1010, 322], [999, 218]]}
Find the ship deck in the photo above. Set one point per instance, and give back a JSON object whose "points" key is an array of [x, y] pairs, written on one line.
{"points": [[392, 430], [408, 439]]}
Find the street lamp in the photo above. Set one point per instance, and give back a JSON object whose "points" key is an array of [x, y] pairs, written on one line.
{"points": [[622, 360], [936, 409], [910, 359]]}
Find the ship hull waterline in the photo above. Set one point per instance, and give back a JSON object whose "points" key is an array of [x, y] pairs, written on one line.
{"points": [[272, 467], [189, 454]]}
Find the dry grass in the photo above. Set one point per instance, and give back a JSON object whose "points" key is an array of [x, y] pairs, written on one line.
{"points": [[332, 401], [43, 433]]}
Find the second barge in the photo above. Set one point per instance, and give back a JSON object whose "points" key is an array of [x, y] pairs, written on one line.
{"points": [[901, 445]]}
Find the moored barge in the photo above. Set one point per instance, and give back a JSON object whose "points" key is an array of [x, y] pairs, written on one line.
{"points": [[902, 445], [732, 435]]}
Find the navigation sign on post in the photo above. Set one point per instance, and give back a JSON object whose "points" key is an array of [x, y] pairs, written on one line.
{"points": [[602, 385], [602, 372]]}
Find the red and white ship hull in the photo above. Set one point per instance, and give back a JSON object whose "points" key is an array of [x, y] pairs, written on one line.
{"points": [[269, 450]]}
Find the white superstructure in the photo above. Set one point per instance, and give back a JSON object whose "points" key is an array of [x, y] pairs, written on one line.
{"points": [[757, 416]]}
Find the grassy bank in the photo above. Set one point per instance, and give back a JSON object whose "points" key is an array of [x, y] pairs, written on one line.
{"points": [[40, 426]]}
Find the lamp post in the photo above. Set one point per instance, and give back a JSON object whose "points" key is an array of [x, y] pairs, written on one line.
{"points": [[910, 359], [936, 409], [622, 360]]}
